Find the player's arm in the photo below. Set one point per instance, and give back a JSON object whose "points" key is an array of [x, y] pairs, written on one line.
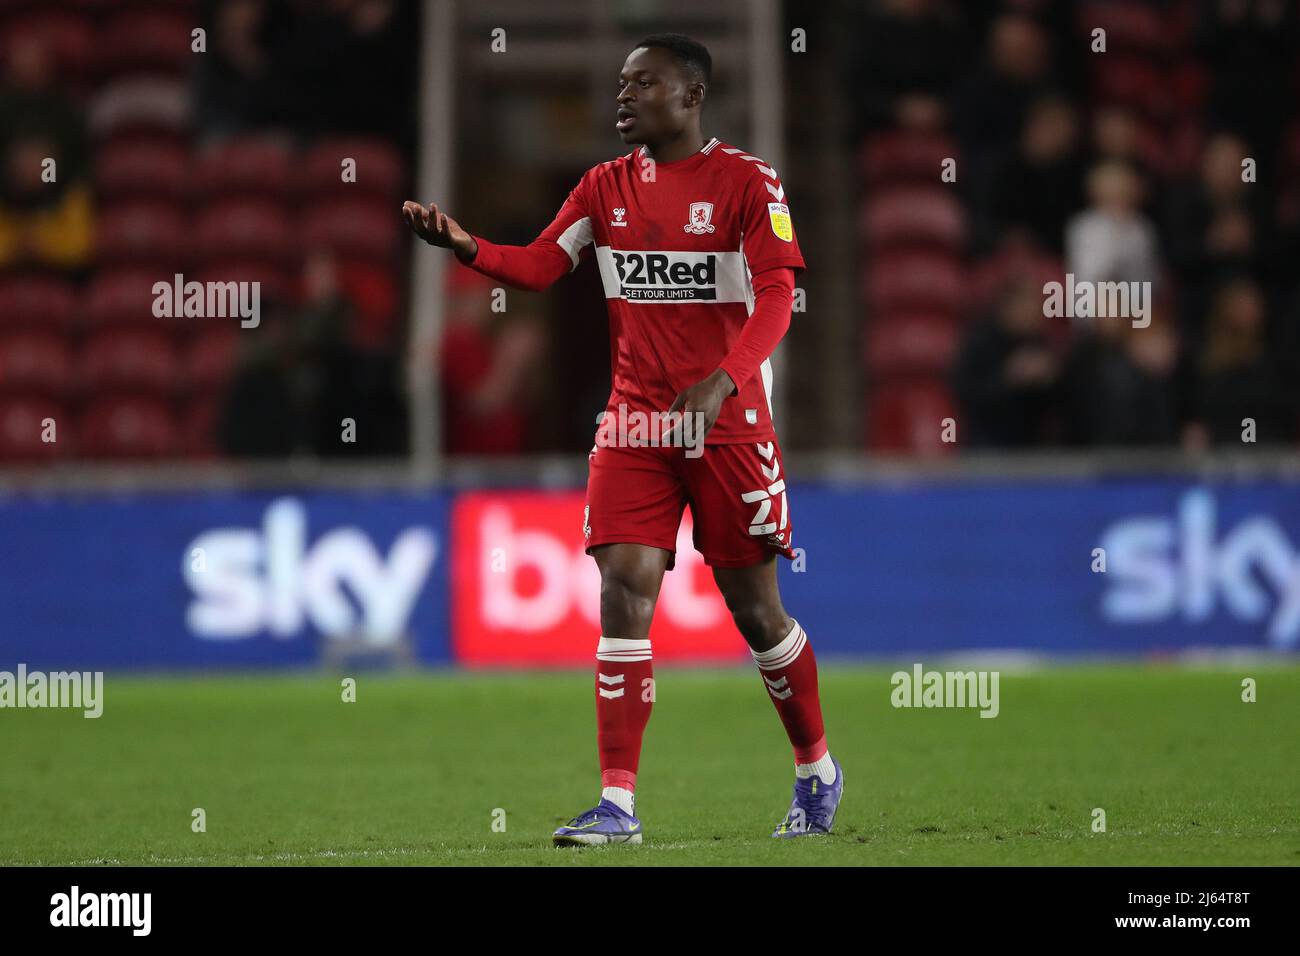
{"points": [[766, 325], [534, 267], [773, 295]]}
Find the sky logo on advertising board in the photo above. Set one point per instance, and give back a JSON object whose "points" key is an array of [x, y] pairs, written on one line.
{"points": [[1158, 567], [248, 581]]}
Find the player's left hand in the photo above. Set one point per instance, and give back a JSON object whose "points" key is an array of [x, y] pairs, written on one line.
{"points": [[702, 402]]}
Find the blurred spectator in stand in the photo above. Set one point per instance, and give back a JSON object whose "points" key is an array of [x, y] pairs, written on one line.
{"points": [[333, 58], [910, 54], [339, 66], [490, 363], [990, 110], [232, 77], [1006, 373], [1120, 384], [1216, 227], [1237, 377], [42, 222], [1111, 240], [1250, 48], [1040, 186], [1118, 135], [298, 379]]}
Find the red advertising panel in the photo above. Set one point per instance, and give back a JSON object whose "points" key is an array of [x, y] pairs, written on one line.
{"points": [[524, 592]]}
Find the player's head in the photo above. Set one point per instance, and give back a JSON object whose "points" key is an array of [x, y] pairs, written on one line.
{"points": [[661, 88]]}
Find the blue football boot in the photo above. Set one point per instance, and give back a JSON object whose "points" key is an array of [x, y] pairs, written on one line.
{"points": [[812, 811], [606, 822]]}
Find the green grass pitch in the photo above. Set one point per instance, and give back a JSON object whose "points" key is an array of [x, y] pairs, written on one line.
{"points": [[414, 771]]}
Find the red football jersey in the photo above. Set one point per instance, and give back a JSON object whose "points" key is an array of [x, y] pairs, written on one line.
{"points": [[677, 244]]}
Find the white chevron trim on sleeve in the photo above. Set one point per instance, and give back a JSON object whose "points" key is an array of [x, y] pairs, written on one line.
{"points": [[767, 171], [573, 239], [778, 192]]}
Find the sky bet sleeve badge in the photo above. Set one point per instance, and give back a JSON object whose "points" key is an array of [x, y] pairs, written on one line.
{"points": [[779, 213]]}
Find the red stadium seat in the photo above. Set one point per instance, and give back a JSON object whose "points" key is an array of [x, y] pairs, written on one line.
{"points": [[200, 424], [910, 344], [152, 39], [135, 360], [915, 216], [143, 168], [908, 417], [34, 361], [901, 157], [380, 171], [246, 167], [125, 296], [1135, 82], [68, 34], [245, 229], [210, 359], [23, 421], [909, 282], [276, 284], [124, 427], [1130, 27], [46, 303], [366, 228], [140, 232]]}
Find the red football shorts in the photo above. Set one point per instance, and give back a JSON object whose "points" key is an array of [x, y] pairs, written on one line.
{"points": [[736, 493]]}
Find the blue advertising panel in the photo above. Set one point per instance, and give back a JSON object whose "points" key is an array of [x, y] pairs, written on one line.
{"points": [[241, 579], [220, 580], [1015, 564]]}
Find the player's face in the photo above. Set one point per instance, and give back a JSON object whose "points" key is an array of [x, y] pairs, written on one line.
{"points": [[655, 98]]}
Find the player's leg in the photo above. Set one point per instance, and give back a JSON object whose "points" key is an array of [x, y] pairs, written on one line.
{"points": [[634, 507], [630, 578], [742, 522]]}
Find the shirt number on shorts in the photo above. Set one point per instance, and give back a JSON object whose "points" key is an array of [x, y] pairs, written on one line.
{"points": [[759, 524]]}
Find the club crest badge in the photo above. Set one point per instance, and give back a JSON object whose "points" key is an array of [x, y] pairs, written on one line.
{"points": [[697, 221]]}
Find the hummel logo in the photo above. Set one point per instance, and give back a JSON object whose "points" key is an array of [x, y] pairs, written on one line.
{"points": [[619, 213], [606, 679], [774, 686]]}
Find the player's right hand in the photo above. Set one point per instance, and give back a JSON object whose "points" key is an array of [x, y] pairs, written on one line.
{"points": [[439, 229]]}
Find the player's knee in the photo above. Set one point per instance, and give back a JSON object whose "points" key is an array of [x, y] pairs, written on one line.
{"points": [[622, 598], [761, 623]]}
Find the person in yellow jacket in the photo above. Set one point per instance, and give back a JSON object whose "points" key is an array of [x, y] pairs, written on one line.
{"points": [[42, 223]]}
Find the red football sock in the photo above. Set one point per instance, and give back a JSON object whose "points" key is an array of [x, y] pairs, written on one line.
{"points": [[790, 672], [625, 693]]}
